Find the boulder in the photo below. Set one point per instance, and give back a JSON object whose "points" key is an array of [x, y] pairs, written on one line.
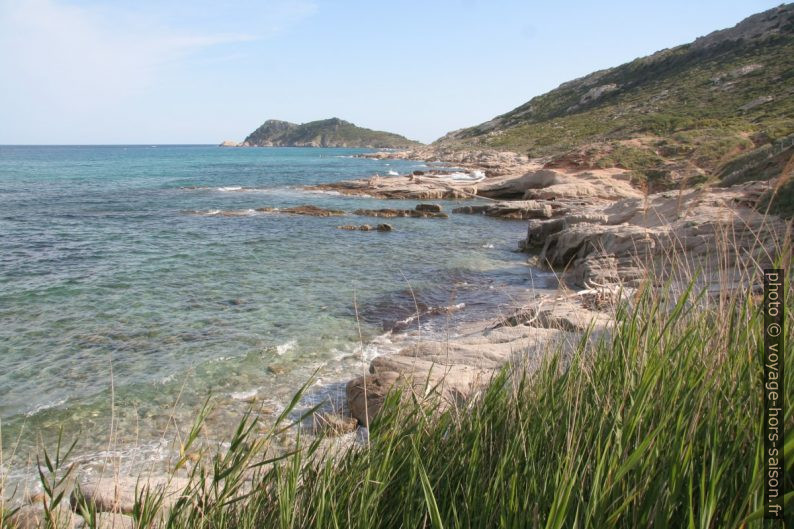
{"points": [[333, 424], [366, 394], [433, 208], [451, 384]]}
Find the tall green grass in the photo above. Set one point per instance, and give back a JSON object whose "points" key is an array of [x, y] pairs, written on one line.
{"points": [[657, 423]]}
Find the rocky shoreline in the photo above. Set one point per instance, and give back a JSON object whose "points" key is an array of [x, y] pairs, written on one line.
{"points": [[594, 228]]}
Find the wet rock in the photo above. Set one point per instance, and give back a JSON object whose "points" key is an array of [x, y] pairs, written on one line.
{"points": [[433, 208], [384, 227]]}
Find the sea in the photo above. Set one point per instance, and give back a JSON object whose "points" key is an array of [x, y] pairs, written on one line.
{"points": [[138, 283]]}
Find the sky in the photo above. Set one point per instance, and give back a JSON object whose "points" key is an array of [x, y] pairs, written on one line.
{"points": [[201, 71]]}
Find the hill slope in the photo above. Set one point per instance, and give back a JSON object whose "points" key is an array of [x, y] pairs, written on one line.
{"points": [[332, 132], [679, 115]]}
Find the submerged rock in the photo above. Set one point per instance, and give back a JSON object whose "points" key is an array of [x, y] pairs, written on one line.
{"points": [[276, 369], [309, 210]]}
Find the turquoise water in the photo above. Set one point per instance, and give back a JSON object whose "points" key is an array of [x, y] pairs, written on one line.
{"points": [[120, 282]]}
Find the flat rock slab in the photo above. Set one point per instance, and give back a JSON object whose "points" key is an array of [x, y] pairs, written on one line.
{"points": [[118, 494], [483, 356], [401, 187], [565, 315], [518, 209]]}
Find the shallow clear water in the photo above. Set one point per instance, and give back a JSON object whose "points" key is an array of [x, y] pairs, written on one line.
{"points": [[115, 274]]}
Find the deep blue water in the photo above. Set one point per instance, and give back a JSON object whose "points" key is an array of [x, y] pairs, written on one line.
{"points": [[115, 268]]}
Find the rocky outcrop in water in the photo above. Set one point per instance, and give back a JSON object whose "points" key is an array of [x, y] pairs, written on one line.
{"points": [[514, 209], [367, 227], [391, 213]]}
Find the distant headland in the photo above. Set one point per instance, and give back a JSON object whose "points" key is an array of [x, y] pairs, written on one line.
{"points": [[333, 132]]}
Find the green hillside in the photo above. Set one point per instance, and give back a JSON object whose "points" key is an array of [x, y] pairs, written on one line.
{"points": [[332, 132], [680, 114]]}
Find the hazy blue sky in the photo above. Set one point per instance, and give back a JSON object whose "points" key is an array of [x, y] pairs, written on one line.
{"points": [[200, 71]]}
